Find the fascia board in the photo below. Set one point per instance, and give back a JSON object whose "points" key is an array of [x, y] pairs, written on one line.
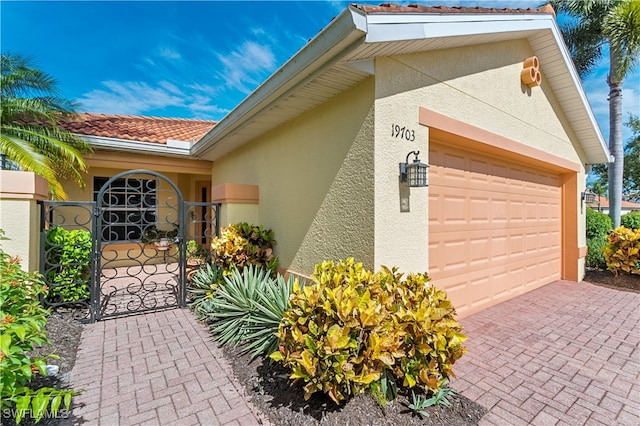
{"points": [[340, 34], [388, 32], [124, 145], [603, 155]]}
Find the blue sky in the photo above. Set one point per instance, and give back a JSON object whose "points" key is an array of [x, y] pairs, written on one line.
{"points": [[191, 59]]}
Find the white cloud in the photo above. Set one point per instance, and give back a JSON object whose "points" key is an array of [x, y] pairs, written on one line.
{"points": [[140, 98], [598, 94], [246, 65], [168, 53]]}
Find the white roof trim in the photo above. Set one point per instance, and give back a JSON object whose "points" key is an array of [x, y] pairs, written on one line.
{"points": [[172, 148], [354, 28], [326, 47]]}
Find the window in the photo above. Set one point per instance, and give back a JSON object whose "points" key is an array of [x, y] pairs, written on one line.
{"points": [[129, 206]]}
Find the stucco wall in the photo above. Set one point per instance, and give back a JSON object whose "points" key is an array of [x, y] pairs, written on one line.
{"points": [[315, 176], [479, 85]]}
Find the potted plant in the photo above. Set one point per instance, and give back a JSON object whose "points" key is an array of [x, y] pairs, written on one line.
{"points": [[161, 238]]}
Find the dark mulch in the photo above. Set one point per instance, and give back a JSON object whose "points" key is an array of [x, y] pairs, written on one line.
{"points": [[607, 279], [269, 389]]}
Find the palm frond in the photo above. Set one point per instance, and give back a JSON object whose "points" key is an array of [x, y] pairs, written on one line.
{"points": [[621, 26]]}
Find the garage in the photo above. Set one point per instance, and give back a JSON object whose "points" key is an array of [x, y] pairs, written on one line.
{"points": [[494, 226]]}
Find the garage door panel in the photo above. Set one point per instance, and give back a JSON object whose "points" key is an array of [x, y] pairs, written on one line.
{"points": [[494, 227]]}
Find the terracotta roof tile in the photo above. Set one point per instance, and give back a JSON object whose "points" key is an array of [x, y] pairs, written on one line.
{"points": [[604, 202], [414, 8], [138, 128]]}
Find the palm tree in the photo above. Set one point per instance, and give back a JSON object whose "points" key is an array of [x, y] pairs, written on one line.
{"points": [[30, 138], [593, 24]]}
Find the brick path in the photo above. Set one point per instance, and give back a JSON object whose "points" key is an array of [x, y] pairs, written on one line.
{"points": [[565, 354], [156, 369]]}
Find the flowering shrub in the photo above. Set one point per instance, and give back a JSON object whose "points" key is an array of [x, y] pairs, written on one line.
{"points": [[352, 329], [22, 321]]}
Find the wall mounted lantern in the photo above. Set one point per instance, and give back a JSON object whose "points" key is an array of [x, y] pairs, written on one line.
{"points": [[588, 197], [415, 174]]}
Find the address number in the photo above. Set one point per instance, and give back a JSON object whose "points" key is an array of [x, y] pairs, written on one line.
{"points": [[403, 133]]}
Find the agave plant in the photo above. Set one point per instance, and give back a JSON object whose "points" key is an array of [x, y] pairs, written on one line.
{"points": [[202, 288], [247, 309]]}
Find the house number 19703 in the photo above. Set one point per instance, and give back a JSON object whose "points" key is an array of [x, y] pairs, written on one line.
{"points": [[403, 133]]}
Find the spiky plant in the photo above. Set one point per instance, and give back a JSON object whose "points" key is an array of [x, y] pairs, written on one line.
{"points": [[247, 309]]}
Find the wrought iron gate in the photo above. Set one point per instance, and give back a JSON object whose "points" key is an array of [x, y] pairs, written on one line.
{"points": [[126, 251]]}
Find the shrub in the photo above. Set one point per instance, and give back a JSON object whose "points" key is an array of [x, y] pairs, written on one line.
{"points": [[351, 329], [595, 255], [631, 220], [68, 255], [202, 288], [243, 244], [247, 308], [622, 252], [598, 224], [22, 322]]}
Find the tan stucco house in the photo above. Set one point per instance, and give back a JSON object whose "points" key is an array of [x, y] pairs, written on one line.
{"points": [[489, 98], [321, 141]]}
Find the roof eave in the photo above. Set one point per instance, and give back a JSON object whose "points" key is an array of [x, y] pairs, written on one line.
{"points": [[346, 30], [171, 149]]}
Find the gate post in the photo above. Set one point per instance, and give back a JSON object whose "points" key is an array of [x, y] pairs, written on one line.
{"points": [[19, 215]]}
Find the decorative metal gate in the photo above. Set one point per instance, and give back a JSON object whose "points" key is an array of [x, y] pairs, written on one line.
{"points": [[126, 251]]}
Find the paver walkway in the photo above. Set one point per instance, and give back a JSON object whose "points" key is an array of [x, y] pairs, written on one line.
{"points": [[564, 354], [156, 369]]}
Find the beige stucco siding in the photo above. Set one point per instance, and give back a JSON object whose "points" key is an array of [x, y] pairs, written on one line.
{"points": [[479, 85], [315, 177]]}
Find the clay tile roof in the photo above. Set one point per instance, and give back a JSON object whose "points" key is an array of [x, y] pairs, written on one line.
{"points": [[414, 8], [138, 128]]}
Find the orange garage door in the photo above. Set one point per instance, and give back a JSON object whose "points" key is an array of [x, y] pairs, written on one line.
{"points": [[494, 227]]}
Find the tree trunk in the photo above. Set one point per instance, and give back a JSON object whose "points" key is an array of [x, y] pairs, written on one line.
{"points": [[616, 169]]}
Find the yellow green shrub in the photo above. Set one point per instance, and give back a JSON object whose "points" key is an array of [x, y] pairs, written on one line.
{"points": [[243, 244], [622, 252], [348, 327]]}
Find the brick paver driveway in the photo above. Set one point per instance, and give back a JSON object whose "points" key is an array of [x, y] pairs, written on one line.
{"points": [[565, 354]]}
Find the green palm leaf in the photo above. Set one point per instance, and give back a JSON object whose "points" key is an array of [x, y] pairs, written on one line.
{"points": [[30, 137]]}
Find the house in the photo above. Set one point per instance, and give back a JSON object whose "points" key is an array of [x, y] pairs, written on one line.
{"points": [[601, 204], [488, 97], [120, 143]]}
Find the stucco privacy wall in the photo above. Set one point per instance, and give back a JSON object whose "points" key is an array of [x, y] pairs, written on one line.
{"points": [[315, 176], [20, 215], [479, 85]]}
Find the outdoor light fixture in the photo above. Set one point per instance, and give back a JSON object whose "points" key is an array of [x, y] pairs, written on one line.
{"points": [[588, 197], [415, 174]]}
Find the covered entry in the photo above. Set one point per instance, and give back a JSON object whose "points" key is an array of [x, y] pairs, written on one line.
{"points": [[134, 237]]}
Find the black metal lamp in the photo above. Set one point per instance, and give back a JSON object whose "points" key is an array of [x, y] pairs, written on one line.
{"points": [[415, 174], [588, 196]]}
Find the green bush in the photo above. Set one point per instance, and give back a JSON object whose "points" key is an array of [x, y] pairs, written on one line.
{"points": [[247, 308], [622, 252], [353, 330], [631, 220], [243, 244], [598, 224], [202, 288], [22, 322], [68, 255], [595, 255]]}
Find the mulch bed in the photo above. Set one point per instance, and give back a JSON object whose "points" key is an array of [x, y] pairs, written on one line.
{"points": [[268, 388]]}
